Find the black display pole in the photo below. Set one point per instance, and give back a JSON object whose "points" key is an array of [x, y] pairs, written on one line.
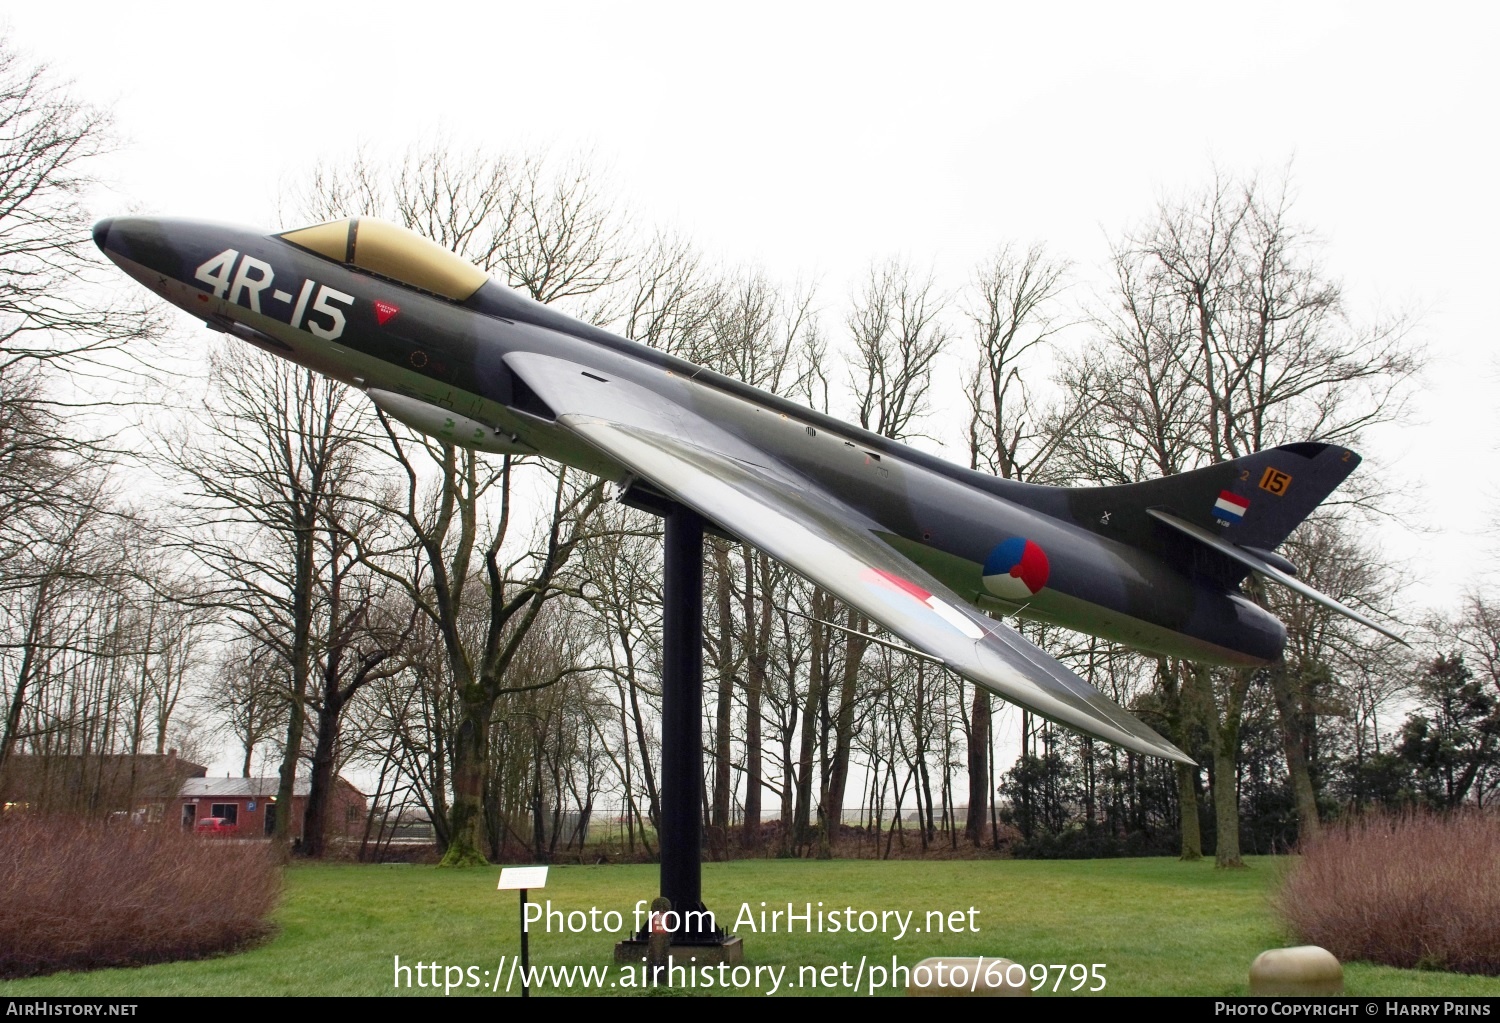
{"points": [[682, 727], [525, 958]]}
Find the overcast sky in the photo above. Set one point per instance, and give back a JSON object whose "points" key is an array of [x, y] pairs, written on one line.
{"points": [[813, 138]]}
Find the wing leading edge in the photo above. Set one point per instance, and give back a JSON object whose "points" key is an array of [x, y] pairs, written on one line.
{"points": [[814, 533]]}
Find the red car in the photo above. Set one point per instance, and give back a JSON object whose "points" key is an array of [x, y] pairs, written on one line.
{"points": [[215, 826]]}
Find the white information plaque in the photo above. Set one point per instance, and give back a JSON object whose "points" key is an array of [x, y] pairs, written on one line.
{"points": [[512, 878]]}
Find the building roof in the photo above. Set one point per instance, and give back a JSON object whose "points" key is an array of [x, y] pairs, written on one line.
{"points": [[241, 788], [110, 762], [92, 782]]}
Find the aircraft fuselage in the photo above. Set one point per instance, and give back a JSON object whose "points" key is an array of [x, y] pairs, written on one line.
{"points": [[415, 352]]}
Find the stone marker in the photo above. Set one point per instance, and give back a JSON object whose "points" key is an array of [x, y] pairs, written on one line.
{"points": [[1303, 970], [960, 975]]}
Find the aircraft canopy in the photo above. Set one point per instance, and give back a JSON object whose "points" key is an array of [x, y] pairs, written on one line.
{"points": [[392, 252]]}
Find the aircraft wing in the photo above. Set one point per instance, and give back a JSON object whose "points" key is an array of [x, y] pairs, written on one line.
{"points": [[693, 461]]}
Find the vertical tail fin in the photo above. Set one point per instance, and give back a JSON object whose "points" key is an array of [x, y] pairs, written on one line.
{"points": [[1255, 501], [1232, 515], [1265, 496]]}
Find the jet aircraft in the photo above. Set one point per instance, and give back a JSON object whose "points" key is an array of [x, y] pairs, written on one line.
{"points": [[919, 545]]}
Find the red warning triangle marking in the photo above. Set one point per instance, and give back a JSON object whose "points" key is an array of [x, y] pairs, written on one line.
{"points": [[384, 311]]}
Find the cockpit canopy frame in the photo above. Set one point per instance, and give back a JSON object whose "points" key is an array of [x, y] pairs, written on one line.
{"points": [[390, 251]]}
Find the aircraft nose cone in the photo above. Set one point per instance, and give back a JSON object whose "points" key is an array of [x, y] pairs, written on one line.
{"points": [[101, 233]]}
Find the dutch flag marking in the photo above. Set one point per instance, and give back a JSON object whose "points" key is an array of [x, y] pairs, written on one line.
{"points": [[1230, 508]]}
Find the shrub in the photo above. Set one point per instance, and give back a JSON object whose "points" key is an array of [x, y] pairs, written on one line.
{"points": [[1414, 891], [1077, 842], [80, 894]]}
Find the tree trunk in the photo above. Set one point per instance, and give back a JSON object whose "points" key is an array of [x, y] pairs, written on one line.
{"points": [[286, 785], [302, 615], [788, 788], [843, 727], [924, 803], [757, 644], [470, 757], [315, 820], [753, 770], [23, 677], [648, 776], [1187, 802], [1089, 773], [1026, 816], [817, 663], [979, 746], [1225, 733], [921, 737], [1285, 688], [1179, 722], [538, 807], [722, 789], [1226, 806]]}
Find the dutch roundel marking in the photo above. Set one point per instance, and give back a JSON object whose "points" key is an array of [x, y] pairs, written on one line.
{"points": [[1230, 508], [1275, 481], [1017, 569], [900, 593]]}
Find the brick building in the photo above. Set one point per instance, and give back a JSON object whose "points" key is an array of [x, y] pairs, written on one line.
{"points": [[141, 787], [250, 805]]}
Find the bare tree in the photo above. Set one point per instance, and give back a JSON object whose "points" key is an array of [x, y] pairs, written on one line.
{"points": [[56, 324], [1228, 337], [1008, 435], [47, 261], [622, 565], [366, 637], [1013, 318], [279, 446], [565, 239], [1325, 651], [897, 336], [445, 536], [755, 331], [1475, 631], [897, 333], [550, 231], [50, 615], [247, 690]]}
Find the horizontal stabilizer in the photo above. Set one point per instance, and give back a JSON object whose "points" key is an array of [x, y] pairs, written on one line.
{"points": [[1262, 567]]}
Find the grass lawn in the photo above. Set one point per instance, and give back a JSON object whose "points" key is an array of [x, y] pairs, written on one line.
{"points": [[1160, 927]]}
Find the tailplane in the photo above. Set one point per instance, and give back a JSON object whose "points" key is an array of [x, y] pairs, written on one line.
{"points": [[1224, 521]]}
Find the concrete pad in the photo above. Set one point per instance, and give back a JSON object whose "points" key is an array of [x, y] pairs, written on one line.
{"points": [[633, 953]]}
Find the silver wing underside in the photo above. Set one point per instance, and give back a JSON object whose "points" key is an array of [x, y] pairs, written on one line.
{"points": [[748, 492]]}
